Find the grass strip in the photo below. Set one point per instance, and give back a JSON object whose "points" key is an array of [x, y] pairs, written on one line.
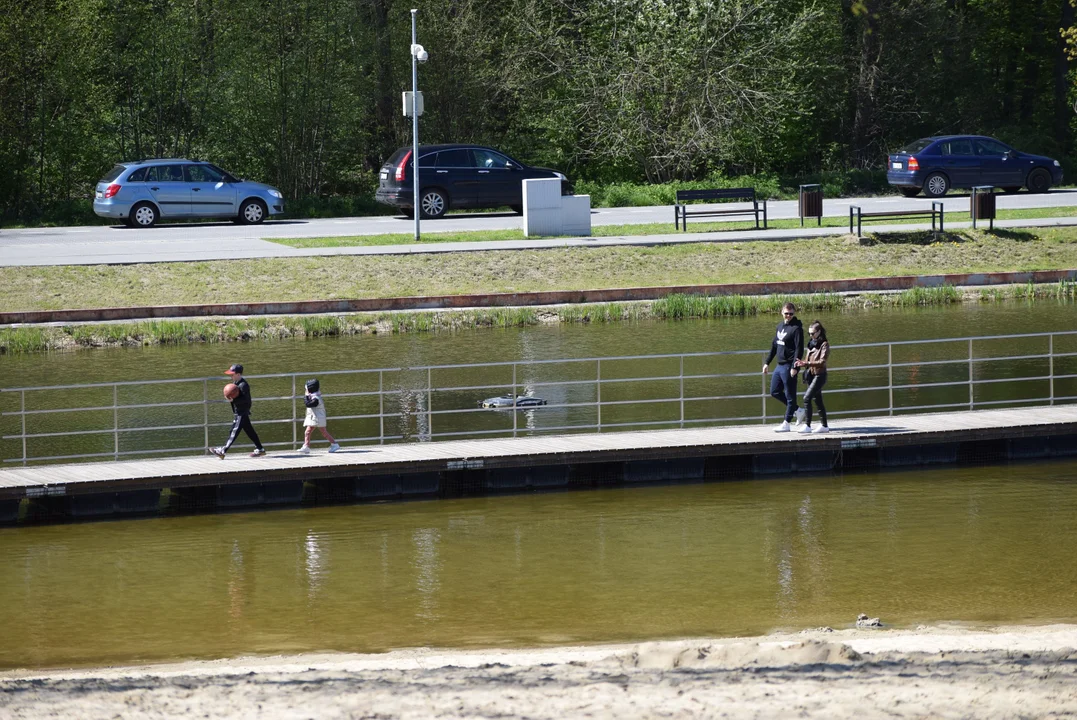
{"points": [[494, 271], [640, 229], [671, 308]]}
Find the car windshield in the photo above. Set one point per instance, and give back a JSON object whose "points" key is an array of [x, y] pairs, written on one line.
{"points": [[917, 146], [113, 173]]}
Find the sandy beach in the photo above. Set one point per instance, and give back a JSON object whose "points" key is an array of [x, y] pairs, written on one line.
{"points": [[940, 672]]}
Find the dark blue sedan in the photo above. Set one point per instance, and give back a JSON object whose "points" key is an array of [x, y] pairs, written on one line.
{"points": [[936, 164]]}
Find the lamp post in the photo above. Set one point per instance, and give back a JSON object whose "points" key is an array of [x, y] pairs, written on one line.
{"points": [[418, 54]]}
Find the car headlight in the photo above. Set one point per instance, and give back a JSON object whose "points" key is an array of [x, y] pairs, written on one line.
{"points": [[275, 193], [1058, 164]]}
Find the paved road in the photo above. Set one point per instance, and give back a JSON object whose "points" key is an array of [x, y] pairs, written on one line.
{"points": [[209, 241]]}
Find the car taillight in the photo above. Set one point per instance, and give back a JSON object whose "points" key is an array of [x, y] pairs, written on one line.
{"points": [[112, 190], [400, 167], [914, 164]]}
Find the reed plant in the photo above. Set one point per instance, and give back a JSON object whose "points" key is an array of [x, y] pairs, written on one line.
{"points": [[23, 340], [918, 296]]}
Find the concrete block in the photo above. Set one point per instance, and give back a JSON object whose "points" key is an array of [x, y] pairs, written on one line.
{"points": [[576, 215]]}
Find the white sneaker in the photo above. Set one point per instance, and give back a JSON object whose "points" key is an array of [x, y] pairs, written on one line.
{"points": [[801, 414], [334, 447], [821, 429], [305, 450], [784, 427], [804, 429]]}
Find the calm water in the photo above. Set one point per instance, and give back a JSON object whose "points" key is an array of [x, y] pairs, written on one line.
{"points": [[983, 545]]}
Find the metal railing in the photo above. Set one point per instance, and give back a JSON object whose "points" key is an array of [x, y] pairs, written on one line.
{"points": [[594, 394]]}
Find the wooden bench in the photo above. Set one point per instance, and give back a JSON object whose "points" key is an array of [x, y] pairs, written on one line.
{"points": [[855, 213], [681, 211]]}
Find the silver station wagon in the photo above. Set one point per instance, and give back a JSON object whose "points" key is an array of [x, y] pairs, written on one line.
{"points": [[143, 192]]}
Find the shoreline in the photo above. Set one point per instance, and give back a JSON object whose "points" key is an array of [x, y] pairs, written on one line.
{"points": [[54, 337], [945, 670]]}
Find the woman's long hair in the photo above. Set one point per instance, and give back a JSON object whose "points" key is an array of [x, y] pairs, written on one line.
{"points": [[822, 331]]}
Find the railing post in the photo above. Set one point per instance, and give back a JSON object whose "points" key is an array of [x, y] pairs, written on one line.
{"points": [[972, 400], [682, 385], [763, 395], [430, 404], [1051, 364], [598, 392], [381, 407], [295, 437], [205, 410], [514, 396], [22, 416], [115, 422], [890, 373]]}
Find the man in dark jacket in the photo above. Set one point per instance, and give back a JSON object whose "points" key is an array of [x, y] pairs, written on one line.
{"points": [[788, 347], [241, 411]]}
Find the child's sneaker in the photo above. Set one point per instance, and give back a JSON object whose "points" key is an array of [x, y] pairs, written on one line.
{"points": [[801, 414], [305, 450], [804, 429], [334, 447], [258, 452], [219, 452], [784, 427], [821, 429]]}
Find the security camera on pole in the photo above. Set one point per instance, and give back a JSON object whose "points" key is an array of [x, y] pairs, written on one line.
{"points": [[413, 106]]}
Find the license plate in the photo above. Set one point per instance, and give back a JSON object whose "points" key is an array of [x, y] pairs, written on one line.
{"points": [[385, 176], [896, 166]]}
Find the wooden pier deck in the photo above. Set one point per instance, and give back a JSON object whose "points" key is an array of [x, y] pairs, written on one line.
{"points": [[504, 464]]}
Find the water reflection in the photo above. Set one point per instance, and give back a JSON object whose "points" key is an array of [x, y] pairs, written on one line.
{"points": [[972, 544]]}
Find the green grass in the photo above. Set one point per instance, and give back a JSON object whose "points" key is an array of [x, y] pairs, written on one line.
{"points": [[499, 271]]}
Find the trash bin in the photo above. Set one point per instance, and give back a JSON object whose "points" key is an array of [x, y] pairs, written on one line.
{"points": [[811, 203], [982, 204]]}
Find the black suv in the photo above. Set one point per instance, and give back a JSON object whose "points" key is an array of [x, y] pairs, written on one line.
{"points": [[458, 176]]}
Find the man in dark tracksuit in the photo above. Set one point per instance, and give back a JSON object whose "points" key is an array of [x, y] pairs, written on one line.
{"points": [[788, 346], [241, 410]]}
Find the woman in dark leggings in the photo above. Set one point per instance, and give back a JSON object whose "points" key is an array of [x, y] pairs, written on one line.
{"points": [[815, 376]]}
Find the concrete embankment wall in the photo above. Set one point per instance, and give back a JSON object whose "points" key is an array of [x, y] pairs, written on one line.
{"points": [[488, 300]]}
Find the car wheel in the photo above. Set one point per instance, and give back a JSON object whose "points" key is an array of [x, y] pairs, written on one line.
{"points": [[1039, 181], [252, 212], [518, 209], [434, 203], [936, 185], [910, 191], [1010, 190], [143, 215]]}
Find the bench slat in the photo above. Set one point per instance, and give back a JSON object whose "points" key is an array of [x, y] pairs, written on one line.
{"points": [[717, 194]]}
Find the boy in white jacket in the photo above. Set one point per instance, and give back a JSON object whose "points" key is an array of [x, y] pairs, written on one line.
{"points": [[315, 417]]}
